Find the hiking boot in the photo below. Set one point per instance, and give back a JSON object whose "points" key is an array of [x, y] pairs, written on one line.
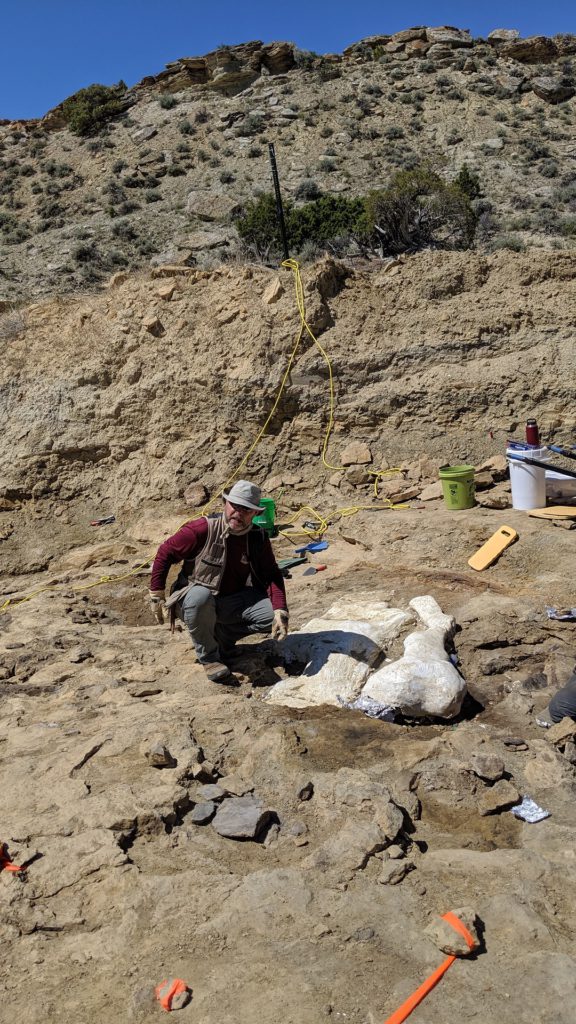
{"points": [[216, 671]]}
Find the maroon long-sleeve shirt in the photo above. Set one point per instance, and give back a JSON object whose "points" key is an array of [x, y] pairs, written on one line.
{"points": [[189, 541]]}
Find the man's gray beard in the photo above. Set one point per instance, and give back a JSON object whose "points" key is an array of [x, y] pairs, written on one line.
{"points": [[236, 533]]}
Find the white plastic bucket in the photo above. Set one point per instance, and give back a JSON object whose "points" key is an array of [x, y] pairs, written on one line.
{"points": [[527, 483]]}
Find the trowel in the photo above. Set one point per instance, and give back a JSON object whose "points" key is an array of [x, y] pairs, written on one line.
{"points": [[313, 569]]}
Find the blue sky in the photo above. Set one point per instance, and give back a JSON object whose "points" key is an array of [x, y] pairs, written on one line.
{"points": [[51, 48]]}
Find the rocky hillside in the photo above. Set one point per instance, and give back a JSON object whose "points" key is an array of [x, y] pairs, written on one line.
{"points": [[164, 181], [162, 381]]}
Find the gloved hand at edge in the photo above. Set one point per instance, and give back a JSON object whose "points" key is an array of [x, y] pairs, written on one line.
{"points": [[280, 624], [157, 600]]}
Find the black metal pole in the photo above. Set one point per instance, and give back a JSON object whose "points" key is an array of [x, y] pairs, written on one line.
{"points": [[279, 207]]}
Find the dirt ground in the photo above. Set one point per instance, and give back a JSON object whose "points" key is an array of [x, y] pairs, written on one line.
{"points": [[123, 890], [110, 732]]}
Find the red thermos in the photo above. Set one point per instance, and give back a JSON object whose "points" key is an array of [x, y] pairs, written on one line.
{"points": [[532, 433]]}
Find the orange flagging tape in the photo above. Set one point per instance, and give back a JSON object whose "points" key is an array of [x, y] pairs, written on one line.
{"points": [[5, 863], [166, 991], [411, 1003]]}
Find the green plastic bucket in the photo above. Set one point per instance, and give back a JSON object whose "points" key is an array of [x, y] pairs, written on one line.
{"points": [[458, 486], [266, 518]]}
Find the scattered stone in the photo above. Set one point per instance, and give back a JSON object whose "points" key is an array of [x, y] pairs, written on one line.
{"points": [[499, 497], [166, 292], [356, 454], [357, 476], [515, 743], [448, 939], [363, 935], [211, 791], [195, 495], [158, 755], [117, 279], [560, 733], [499, 797], [431, 492], [79, 654], [144, 133], [487, 766], [350, 849], [321, 930], [179, 1000], [154, 326], [273, 292], [395, 852], [203, 812], [234, 785], [204, 772], [241, 817], [141, 690], [306, 792], [393, 871], [497, 466]]}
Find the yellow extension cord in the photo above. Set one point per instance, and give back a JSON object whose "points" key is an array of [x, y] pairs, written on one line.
{"points": [[323, 520]]}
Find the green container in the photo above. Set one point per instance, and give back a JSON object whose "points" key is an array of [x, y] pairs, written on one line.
{"points": [[266, 518], [458, 486]]}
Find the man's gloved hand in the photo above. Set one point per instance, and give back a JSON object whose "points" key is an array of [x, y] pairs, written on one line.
{"points": [[280, 625], [158, 605]]}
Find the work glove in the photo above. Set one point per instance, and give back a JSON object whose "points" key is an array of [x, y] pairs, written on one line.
{"points": [[280, 625], [157, 599]]}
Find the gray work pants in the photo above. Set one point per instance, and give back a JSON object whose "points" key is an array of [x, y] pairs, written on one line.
{"points": [[563, 703], [215, 623]]}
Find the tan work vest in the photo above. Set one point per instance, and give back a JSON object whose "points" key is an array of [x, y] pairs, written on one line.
{"points": [[207, 568]]}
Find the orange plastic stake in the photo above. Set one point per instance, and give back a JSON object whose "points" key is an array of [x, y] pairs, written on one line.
{"points": [[5, 863], [166, 991], [412, 1002]]}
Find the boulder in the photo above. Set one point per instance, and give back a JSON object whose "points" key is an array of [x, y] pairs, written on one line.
{"points": [[349, 850], [407, 35], [533, 50], [503, 35], [242, 817], [144, 134], [356, 454], [449, 36], [210, 205], [450, 941], [552, 88]]}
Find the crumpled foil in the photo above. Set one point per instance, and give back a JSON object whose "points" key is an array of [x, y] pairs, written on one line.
{"points": [[529, 810], [562, 614], [371, 707]]}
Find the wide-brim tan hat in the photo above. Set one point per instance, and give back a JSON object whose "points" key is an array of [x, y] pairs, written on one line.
{"points": [[246, 494]]}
